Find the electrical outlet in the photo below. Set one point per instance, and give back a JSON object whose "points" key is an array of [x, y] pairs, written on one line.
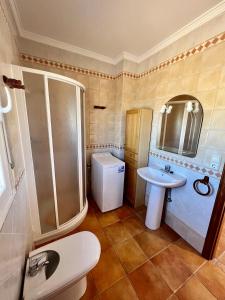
{"points": [[214, 166], [215, 161]]}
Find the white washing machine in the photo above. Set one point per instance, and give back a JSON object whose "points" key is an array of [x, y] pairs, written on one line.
{"points": [[107, 180]]}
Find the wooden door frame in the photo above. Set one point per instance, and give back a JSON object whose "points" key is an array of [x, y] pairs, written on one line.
{"points": [[215, 221]]}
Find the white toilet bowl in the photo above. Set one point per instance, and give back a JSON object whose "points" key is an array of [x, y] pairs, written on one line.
{"points": [[63, 266]]}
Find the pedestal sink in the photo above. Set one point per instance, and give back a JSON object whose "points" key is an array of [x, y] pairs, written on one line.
{"points": [[160, 180]]}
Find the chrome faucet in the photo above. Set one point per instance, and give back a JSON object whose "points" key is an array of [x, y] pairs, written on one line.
{"points": [[167, 168], [36, 264]]}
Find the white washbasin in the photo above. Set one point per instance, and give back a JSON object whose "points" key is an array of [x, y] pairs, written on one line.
{"points": [[159, 180], [159, 177]]}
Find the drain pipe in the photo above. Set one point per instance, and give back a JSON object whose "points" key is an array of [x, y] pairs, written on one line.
{"points": [[169, 199]]}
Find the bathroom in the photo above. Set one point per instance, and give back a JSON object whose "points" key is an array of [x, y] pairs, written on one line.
{"points": [[138, 66]]}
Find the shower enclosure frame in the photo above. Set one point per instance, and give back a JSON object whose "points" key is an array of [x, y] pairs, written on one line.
{"points": [[28, 158]]}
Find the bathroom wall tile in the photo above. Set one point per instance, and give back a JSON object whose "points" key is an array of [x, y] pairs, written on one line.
{"points": [[207, 98], [189, 83], [15, 236], [209, 80], [220, 99], [94, 83], [222, 78], [213, 57], [218, 120], [214, 140], [192, 64]]}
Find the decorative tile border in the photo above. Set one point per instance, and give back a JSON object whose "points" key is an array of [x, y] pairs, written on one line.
{"points": [[104, 146], [186, 164], [190, 52], [172, 159], [62, 66], [181, 56]]}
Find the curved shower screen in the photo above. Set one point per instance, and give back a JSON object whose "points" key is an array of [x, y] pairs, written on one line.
{"points": [[55, 117], [63, 110]]}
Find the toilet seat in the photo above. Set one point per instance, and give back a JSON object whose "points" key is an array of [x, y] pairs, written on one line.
{"points": [[79, 253]]}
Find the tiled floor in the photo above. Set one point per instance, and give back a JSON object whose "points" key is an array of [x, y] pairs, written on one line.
{"points": [[137, 263]]}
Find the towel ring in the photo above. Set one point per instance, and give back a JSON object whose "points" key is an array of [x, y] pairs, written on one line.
{"points": [[204, 181]]}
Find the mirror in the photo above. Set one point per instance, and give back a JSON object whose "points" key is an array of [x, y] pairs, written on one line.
{"points": [[180, 125]]}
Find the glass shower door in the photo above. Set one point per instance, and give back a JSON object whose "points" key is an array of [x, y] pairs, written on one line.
{"points": [[63, 110], [54, 111], [39, 139]]}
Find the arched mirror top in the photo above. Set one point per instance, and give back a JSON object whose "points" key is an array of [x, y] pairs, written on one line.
{"points": [[180, 125]]}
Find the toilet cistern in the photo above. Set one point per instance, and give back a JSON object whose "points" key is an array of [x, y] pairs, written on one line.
{"points": [[160, 179], [36, 264], [58, 270]]}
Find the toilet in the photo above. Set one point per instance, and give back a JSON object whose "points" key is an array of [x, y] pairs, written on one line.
{"points": [[58, 270]]}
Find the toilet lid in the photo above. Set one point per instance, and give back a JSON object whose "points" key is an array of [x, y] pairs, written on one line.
{"points": [[79, 253]]}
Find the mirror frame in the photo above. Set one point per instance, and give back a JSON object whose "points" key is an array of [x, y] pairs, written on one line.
{"points": [[178, 98]]}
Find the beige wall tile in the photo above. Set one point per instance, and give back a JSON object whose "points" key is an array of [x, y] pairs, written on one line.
{"points": [[214, 139], [213, 57], [220, 99], [207, 99], [209, 80], [218, 119]]}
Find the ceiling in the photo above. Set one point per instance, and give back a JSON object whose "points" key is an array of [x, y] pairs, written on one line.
{"points": [[106, 27]]}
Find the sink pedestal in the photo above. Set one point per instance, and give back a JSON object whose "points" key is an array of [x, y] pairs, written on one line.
{"points": [[155, 207]]}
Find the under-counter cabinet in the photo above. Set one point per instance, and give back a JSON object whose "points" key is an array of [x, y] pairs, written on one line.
{"points": [[137, 139]]}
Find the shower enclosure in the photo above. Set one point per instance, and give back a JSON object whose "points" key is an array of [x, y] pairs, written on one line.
{"points": [[52, 125]]}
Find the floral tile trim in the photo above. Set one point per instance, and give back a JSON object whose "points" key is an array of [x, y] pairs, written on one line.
{"points": [[181, 56], [186, 164], [104, 146]]}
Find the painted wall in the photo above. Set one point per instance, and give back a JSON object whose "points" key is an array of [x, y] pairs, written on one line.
{"points": [[15, 236]]}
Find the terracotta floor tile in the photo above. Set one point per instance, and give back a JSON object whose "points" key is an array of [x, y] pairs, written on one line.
{"points": [[140, 208], [124, 212], [142, 215], [222, 259], [148, 283], [122, 290], [107, 218], [103, 239], [89, 223], [214, 279], [134, 225], [117, 232], [151, 243], [171, 268], [130, 254], [91, 291], [167, 233], [173, 297], [189, 255], [194, 290], [108, 270]]}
